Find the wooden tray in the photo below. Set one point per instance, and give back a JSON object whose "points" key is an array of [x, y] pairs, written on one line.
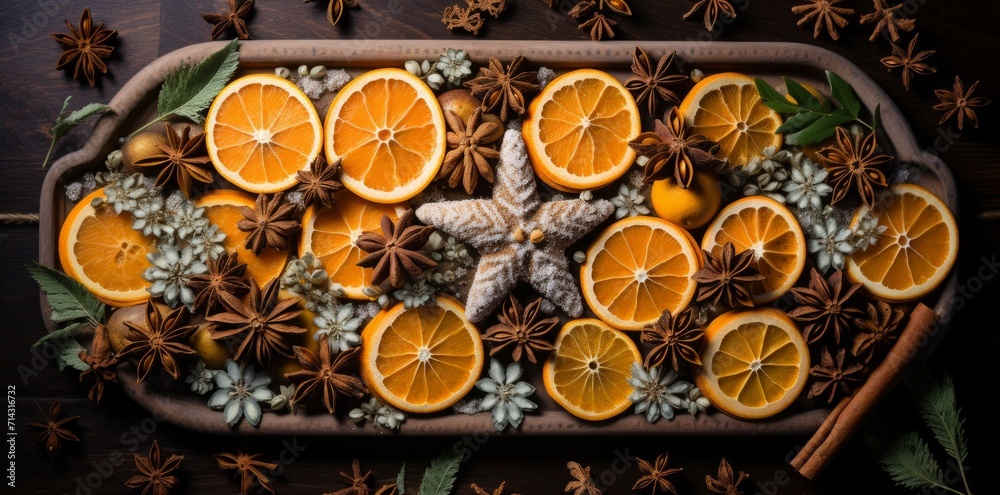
{"points": [[136, 102]]}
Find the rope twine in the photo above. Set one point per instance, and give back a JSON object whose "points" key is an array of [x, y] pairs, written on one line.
{"points": [[18, 218]]}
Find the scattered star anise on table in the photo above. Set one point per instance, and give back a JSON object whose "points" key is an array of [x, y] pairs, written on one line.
{"points": [[504, 88], [101, 363], [53, 430], [888, 21], [600, 26], [522, 328], [498, 491], [156, 477], [675, 340], [833, 377], [823, 13], [263, 322], [960, 102], [911, 63], [323, 377], [396, 249], [269, 223], [727, 278], [224, 276], [358, 482], [183, 157], [853, 163], [673, 152], [725, 483], [876, 332], [87, 46], [655, 475], [235, 19], [582, 483], [712, 10], [469, 153], [248, 468], [825, 306], [159, 341], [650, 86], [335, 9], [458, 17], [319, 183]]}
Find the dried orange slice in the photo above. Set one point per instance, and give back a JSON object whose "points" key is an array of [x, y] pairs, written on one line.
{"points": [[726, 108], [222, 209], [99, 249], [772, 232], [587, 373], [422, 359], [637, 268], [755, 363], [916, 251], [388, 129], [577, 130], [330, 234], [261, 130]]}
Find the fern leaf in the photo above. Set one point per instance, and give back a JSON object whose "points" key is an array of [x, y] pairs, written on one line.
{"points": [[68, 299], [400, 486], [910, 463], [940, 411], [189, 90], [439, 477]]}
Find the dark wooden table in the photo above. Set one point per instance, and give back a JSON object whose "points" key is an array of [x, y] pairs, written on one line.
{"points": [[31, 92]]}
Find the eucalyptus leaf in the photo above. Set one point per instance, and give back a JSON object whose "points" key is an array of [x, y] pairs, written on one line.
{"points": [[439, 477], [68, 299], [65, 123]]}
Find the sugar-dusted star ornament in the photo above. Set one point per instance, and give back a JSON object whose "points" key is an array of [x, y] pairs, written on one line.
{"points": [[519, 237]]}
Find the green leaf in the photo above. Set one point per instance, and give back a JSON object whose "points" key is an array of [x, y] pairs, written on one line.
{"points": [[910, 464], [817, 131], [69, 356], [802, 96], [68, 299], [877, 117], [797, 122], [439, 477], [58, 337], [400, 487], [66, 123], [843, 93], [189, 90], [773, 99], [940, 411]]}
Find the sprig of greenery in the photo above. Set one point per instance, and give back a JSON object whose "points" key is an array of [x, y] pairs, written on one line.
{"points": [[814, 120], [64, 123], [189, 90], [909, 460], [400, 485], [73, 306], [439, 477]]}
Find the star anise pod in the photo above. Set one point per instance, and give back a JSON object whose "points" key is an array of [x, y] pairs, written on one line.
{"points": [[468, 153], [396, 249], [675, 339], [888, 21], [712, 10], [583, 10], [726, 483], [853, 164], [235, 19], [910, 63], [833, 377], [652, 86], [823, 13], [182, 157], [672, 152], [54, 430], [319, 183], [358, 482], [155, 478], [959, 102], [101, 362], [248, 468], [159, 341], [655, 475], [504, 88], [86, 46], [263, 322], [582, 483], [727, 278], [269, 223], [600, 27], [335, 9], [224, 275], [462, 17], [876, 333], [498, 491], [522, 328], [825, 306], [323, 377]]}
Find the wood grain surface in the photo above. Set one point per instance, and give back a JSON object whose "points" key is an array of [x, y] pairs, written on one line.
{"points": [[31, 92]]}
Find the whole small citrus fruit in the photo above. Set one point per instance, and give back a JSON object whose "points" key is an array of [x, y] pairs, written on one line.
{"points": [[692, 207]]}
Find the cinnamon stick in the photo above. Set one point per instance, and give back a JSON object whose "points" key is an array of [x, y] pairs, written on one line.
{"points": [[916, 334], [820, 436]]}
